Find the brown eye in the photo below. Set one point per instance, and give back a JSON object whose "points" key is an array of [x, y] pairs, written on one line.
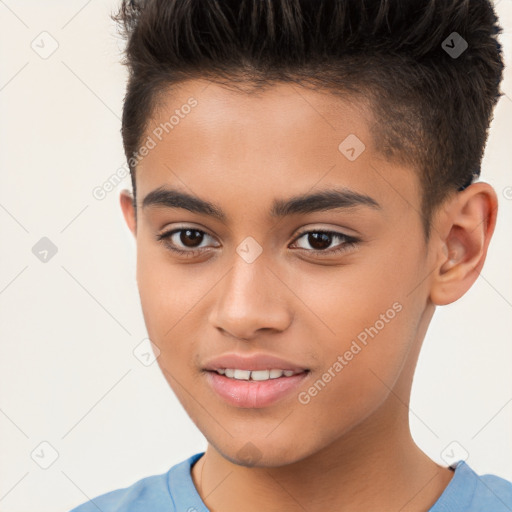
{"points": [[190, 237], [320, 242], [184, 241]]}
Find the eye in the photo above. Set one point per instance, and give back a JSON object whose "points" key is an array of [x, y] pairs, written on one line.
{"points": [[185, 241], [321, 240], [188, 241]]}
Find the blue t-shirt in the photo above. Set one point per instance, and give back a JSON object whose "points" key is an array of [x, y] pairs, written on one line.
{"points": [[174, 491]]}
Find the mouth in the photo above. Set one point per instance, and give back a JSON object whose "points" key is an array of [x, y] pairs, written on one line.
{"points": [[256, 375], [254, 388]]}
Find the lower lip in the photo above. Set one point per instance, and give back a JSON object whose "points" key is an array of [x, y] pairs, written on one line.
{"points": [[251, 393]]}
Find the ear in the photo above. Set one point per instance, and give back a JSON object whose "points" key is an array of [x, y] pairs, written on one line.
{"points": [[128, 208], [465, 225]]}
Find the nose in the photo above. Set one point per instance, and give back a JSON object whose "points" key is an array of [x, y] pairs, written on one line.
{"points": [[251, 298]]}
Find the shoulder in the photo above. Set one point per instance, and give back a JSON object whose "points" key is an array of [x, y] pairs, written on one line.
{"points": [[165, 492], [472, 492], [493, 490], [151, 491]]}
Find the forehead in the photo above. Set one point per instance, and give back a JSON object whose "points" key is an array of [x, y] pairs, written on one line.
{"points": [[285, 138], [286, 110]]}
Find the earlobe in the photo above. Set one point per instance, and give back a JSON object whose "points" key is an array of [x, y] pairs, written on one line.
{"points": [[128, 209], [466, 228]]}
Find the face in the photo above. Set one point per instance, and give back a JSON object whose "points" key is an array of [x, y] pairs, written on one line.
{"points": [[332, 284]]}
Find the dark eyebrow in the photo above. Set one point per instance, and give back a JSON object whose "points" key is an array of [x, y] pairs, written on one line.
{"points": [[308, 203], [320, 201]]}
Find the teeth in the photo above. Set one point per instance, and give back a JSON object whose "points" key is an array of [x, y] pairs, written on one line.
{"points": [[242, 374], [258, 375]]}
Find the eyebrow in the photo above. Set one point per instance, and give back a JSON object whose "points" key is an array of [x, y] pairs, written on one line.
{"points": [[302, 204]]}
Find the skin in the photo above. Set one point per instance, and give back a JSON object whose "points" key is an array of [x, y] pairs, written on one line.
{"points": [[350, 448]]}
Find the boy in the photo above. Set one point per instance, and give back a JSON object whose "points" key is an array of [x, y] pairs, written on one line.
{"points": [[303, 199]]}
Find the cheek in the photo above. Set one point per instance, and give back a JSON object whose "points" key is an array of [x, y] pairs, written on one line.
{"points": [[166, 293], [371, 293], [367, 318], [354, 302], [366, 353], [169, 299], [358, 371], [173, 299]]}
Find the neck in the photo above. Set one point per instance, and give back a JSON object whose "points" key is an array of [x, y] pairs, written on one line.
{"points": [[377, 466]]}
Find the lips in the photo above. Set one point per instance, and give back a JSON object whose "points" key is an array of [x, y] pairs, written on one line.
{"points": [[253, 393], [253, 362]]}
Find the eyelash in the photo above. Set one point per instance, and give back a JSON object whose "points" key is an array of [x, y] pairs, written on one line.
{"points": [[349, 243]]}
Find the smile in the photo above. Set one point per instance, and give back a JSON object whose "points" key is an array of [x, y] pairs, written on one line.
{"points": [[259, 375], [254, 389]]}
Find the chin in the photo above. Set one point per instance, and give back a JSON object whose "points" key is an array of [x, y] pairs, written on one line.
{"points": [[261, 454]]}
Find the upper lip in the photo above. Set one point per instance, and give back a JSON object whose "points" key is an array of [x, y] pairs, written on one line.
{"points": [[253, 362]]}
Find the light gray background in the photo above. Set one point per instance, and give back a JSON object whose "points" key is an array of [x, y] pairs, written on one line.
{"points": [[69, 326]]}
